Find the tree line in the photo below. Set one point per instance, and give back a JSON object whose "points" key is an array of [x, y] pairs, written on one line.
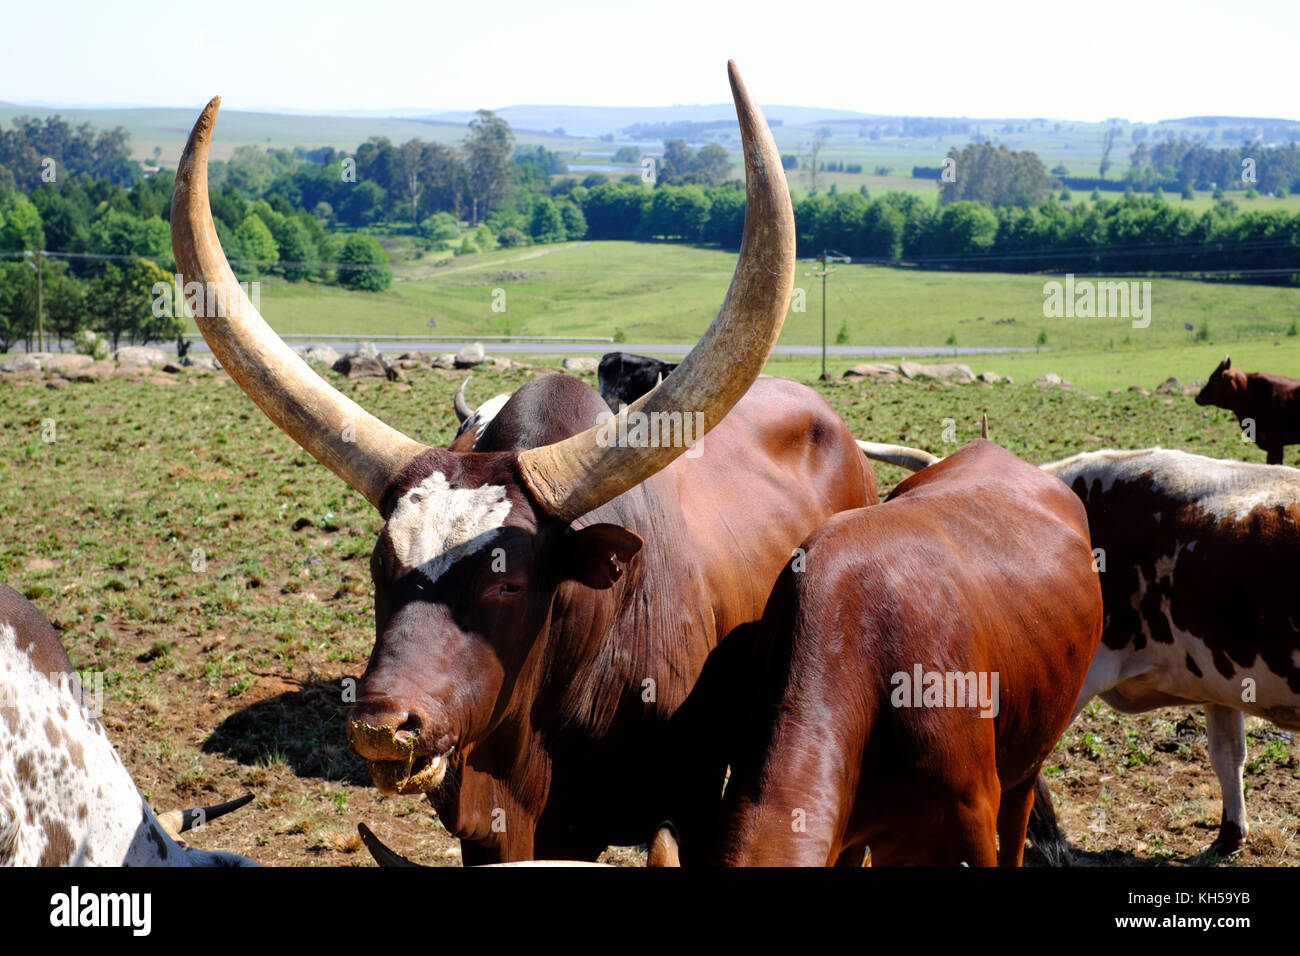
{"points": [[313, 215]]}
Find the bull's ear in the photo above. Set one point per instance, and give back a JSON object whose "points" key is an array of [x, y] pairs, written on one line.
{"points": [[597, 554]]}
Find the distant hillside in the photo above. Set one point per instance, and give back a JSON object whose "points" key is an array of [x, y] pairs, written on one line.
{"points": [[601, 120]]}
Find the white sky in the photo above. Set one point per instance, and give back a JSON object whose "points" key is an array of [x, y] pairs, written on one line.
{"points": [[1132, 58]]}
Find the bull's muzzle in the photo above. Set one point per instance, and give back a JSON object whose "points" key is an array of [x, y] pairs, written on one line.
{"points": [[402, 757]]}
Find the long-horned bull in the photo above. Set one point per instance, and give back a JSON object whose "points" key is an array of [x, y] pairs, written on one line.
{"points": [[545, 605], [65, 797]]}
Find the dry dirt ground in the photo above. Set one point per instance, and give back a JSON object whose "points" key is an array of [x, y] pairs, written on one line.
{"points": [[218, 578]]}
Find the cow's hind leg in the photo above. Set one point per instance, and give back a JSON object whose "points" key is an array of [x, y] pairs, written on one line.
{"points": [[1013, 820], [1227, 730], [1043, 828]]}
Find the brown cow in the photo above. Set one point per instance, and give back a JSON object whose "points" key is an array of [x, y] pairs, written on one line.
{"points": [[1270, 404], [921, 663], [545, 604]]}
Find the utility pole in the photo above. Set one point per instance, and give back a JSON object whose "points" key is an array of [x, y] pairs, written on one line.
{"points": [[40, 325], [39, 266], [827, 256]]}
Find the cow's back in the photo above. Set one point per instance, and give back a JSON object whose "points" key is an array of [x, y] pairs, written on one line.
{"points": [[1200, 558]]}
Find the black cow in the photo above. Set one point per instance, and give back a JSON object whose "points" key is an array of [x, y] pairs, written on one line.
{"points": [[625, 377]]}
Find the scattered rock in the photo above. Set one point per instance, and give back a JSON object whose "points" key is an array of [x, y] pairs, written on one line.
{"points": [[1051, 380], [581, 366], [470, 356], [57, 382], [172, 368], [203, 363], [991, 377], [321, 354], [141, 355], [876, 371], [367, 350], [360, 366], [66, 362], [90, 373], [1139, 389], [445, 360], [391, 371], [1169, 386], [944, 371], [21, 363]]}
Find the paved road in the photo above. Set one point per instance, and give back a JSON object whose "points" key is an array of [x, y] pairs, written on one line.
{"points": [[587, 348]]}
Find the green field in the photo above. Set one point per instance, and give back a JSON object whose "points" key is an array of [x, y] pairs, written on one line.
{"points": [[667, 293]]}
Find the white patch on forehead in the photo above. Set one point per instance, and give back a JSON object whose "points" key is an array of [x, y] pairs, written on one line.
{"points": [[434, 524], [1225, 489]]}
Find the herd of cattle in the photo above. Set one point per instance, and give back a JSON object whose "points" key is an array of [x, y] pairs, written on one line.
{"points": [[728, 649]]}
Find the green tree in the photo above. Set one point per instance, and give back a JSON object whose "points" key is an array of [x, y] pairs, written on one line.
{"points": [[363, 265], [122, 301], [297, 250], [20, 224], [488, 149], [65, 303], [259, 246], [575, 223], [17, 303], [995, 175], [546, 225]]}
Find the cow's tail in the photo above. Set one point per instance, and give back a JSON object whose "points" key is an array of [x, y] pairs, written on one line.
{"points": [[1044, 832], [913, 459]]}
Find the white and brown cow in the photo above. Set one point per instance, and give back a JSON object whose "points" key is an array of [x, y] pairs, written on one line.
{"points": [[1200, 562], [65, 797], [1201, 586]]}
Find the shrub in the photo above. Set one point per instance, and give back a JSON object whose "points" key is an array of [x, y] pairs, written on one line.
{"points": [[363, 264], [511, 238]]}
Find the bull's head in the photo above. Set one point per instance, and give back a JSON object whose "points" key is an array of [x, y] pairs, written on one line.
{"points": [[475, 544], [1226, 384]]}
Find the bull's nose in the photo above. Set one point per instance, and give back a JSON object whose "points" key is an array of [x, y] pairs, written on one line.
{"points": [[393, 729], [385, 730]]}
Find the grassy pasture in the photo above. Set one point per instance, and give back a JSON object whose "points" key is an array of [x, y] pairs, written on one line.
{"points": [[667, 293], [218, 577]]}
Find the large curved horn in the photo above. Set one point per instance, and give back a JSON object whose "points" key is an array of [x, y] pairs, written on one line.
{"points": [[571, 477], [176, 822], [463, 410], [339, 433], [913, 459], [382, 854]]}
